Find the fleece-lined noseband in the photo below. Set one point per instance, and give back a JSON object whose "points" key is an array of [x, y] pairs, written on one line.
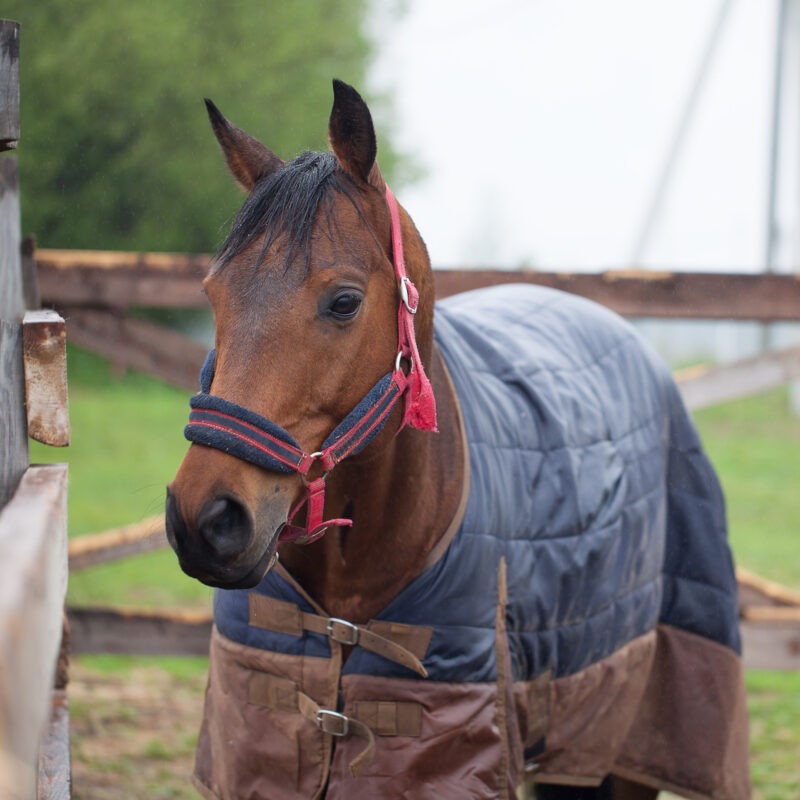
{"points": [[216, 422]]}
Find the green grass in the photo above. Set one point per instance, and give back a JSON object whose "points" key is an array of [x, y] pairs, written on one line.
{"points": [[128, 441], [755, 446], [180, 668], [774, 703]]}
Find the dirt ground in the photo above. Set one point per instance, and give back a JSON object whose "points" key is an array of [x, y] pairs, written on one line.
{"points": [[133, 735]]}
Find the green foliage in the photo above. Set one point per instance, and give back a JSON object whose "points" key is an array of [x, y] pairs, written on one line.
{"points": [[116, 150]]}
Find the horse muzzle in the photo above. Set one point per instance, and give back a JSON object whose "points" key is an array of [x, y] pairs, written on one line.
{"points": [[221, 547]]}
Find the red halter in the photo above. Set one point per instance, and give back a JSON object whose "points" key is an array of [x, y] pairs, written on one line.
{"points": [[419, 410]]}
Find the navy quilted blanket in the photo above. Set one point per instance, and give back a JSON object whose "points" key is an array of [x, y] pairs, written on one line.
{"points": [[586, 474]]}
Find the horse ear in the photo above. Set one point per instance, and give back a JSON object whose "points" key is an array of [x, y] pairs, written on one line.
{"points": [[247, 159], [351, 133]]}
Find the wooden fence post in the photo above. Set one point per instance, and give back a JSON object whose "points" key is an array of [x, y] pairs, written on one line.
{"points": [[33, 513]]}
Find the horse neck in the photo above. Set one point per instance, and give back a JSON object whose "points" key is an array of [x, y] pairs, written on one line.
{"points": [[401, 492]]}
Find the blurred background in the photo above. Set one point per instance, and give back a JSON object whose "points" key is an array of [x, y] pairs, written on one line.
{"points": [[519, 134]]}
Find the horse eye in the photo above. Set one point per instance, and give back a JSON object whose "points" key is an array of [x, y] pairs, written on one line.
{"points": [[345, 305]]}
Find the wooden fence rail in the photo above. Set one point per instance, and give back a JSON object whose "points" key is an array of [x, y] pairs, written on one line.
{"points": [[98, 279], [95, 290], [770, 613]]}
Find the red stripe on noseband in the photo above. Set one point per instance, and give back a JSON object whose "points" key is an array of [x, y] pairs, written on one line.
{"points": [[366, 431], [290, 447], [248, 440]]}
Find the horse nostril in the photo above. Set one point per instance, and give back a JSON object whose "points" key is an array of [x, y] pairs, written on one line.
{"points": [[226, 526]]}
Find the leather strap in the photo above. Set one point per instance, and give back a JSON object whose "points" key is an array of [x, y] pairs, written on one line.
{"points": [[336, 724], [389, 718], [378, 636], [282, 694]]}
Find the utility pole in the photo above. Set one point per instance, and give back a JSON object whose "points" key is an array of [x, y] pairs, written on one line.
{"points": [[782, 241]]}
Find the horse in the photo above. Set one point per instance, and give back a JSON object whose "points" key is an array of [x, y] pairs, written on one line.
{"points": [[457, 547]]}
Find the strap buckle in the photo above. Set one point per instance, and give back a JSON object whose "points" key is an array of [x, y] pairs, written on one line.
{"points": [[404, 284], [351, 629], [343, 722]]}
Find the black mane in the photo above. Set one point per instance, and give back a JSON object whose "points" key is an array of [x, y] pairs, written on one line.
{"points": [[286, 203]]}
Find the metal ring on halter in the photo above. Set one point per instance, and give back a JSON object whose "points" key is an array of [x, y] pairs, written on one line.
{"points": [[404, 294], [399, 358]]}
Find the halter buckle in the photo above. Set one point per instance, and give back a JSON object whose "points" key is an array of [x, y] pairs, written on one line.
{"points": [[349, 627], [343, 721], [404, 283]]}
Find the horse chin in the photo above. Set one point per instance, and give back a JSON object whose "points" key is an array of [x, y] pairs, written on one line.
{"points": [[239, 578]]}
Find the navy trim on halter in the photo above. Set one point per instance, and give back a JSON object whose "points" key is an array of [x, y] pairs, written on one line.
{"points": [[219, 423], [207, 372], [216, 422], [350, 437]]}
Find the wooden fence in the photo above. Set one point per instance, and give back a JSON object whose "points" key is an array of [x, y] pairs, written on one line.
{"points": [[34, 750], [770, 613], [97, 290]]}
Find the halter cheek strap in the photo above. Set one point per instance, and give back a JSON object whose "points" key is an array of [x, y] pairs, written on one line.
{"points": [[420, 408], [219, 423]]}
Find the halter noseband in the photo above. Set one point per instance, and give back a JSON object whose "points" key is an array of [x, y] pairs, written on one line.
{"points": [[216, 422]]}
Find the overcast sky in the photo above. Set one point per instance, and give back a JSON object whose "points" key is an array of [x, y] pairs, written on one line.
{"points": [[542, 127]]}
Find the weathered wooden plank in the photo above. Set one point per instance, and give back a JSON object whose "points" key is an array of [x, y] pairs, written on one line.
{"points": [[13, 428], [707, 387], [770, 623], [111, 545], [771, 645], [13, 431], [654, 294], [757, 591], [44, 346], [771, 614], [33, 580], [54, 761], [138, 344], [9, 84], [172, 280], [767, 645], [12, 304], [98, 279], [139, 632], [15, 777]]}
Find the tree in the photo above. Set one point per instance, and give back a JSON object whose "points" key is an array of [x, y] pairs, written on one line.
{"points": [[116, 151]]}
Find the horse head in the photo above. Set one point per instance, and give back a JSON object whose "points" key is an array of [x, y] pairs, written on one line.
{"points": [[304, 293]]}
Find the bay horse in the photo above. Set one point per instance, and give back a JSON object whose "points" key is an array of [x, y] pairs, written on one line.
{"points": [[457, 546]]}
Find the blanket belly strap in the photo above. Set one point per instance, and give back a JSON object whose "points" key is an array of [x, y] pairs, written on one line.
{"points": [[398, 642], [390, 717], [382, 717], [274, 692]]}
